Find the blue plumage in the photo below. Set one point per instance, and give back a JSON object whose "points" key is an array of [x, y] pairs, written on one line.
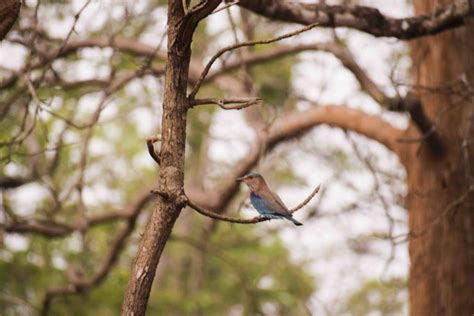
{"points": [[266, 202], [261, 207]]}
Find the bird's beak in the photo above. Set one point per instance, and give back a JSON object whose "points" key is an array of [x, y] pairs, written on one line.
{"points": [[240, 179]]}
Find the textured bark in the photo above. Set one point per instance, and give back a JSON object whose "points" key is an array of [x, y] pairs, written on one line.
{"points": [[171, 198], [9, 10], [365, 19], [168, 206], [441, 212], [441, 217]]}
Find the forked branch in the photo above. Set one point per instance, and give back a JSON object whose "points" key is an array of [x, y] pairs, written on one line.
{"points": [[204, 73]]}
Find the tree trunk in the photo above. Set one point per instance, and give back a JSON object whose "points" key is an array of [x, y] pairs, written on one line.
{"points": [[169, 201], [441, 212]]}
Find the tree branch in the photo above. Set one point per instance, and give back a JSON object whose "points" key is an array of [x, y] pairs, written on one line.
{"points": [[412, 104], [53, 229], [371, 126], [294, 125], [239, 103], [130, 46], [80, 284], [219, 53], [254, 220], [362, 18], [151, 148]]}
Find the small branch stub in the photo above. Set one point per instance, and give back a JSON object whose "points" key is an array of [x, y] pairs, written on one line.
{"points": [[227, 103], [150, 141]]}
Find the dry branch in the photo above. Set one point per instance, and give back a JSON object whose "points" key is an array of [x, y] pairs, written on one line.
{"points": [[151, 148], [254, 220], [239, 103], [410, 103], [54, 229], [287, 128], [362, 18], [81, 284], [219, 53]]}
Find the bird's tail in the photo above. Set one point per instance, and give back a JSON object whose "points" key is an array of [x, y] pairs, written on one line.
{"points": [[290, 218]]}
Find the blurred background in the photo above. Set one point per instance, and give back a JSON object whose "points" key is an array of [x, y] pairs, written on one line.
{"points": [[81, 87]]}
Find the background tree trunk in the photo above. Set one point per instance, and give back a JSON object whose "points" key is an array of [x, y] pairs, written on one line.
{"points": [[441, 213]]}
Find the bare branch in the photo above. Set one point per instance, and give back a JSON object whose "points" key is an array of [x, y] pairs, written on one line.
{"points": [[54, 229], [204, 73], [371, 126], [228, 5], [239, 103], [80, 284], [294, 125], [151, 148], [73, 28], [254, 220], [123, 44], [307, 200], [410, 103], [362, 18]]}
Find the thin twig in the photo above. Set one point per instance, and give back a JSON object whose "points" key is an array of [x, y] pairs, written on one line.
{"points": [[239, 103], [151, 148], [80, 284], [307, 200], [228, 5], [204, 73]]}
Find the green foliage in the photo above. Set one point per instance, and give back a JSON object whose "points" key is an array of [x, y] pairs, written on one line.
{"points": [[273, 79], [386, 298], [23, 274], [239, 271]]}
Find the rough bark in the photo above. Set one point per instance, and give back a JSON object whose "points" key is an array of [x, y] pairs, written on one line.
{"points": [[9, 10], [362, 18], [441, 218], [167, 207], [171, 198], [441, 213]]}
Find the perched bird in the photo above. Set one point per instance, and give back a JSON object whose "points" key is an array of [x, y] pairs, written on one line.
{"points": [[266, 202]]}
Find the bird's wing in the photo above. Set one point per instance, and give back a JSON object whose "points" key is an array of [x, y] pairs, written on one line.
{"points": [[274, 202]]}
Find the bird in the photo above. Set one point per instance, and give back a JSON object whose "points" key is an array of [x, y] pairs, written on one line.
{"points": [[266, 202]]}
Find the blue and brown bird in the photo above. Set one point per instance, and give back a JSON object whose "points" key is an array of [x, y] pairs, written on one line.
{"points": [[266, 202]]}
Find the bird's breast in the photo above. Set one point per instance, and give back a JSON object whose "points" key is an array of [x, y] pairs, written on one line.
{"points": [[258, 202]]}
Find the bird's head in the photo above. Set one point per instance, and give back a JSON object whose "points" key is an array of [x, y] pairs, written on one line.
{"points": [[253, 180]]}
